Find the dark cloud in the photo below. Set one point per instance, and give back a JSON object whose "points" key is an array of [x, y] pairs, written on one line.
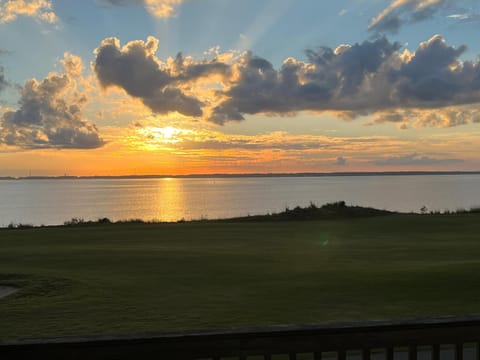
{"points": [[355, 80], [341, 161], [372, 77], [3, 81], [49, 116], [330, 78], [414, 160], [135, 69], [429, 78], [186, 71], [401, 12]]}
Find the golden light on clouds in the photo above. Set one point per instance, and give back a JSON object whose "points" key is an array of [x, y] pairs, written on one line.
{"points": [[175, 150], [162, 8], [39, 9]]}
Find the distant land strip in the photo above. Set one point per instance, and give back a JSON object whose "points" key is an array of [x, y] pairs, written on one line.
{"points": [[246, 175]]}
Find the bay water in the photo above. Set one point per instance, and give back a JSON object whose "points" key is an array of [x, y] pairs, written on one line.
{"points": [[54, 201]]}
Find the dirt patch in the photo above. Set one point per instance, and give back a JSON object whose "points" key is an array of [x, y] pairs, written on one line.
{"points": [[7, 290]]}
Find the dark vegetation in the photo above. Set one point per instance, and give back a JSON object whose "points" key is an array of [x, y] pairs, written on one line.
{"points": [[329, 211], [336, 210]]}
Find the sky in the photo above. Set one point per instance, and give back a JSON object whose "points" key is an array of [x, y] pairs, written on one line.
{"points": [[132, 87]]}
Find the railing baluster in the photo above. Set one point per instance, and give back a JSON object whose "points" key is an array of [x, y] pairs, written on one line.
{"points": [[458, 351], [342, 355], [412, 352], [390, 352], [366, 354], [436, 352]]}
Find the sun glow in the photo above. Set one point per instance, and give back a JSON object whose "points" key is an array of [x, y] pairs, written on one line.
{"points": [[155, 138], [168, 134]]}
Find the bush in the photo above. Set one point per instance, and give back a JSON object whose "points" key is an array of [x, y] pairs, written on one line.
{"points": [[104, 220], [19, 226], [74, 221], [25, 226]]}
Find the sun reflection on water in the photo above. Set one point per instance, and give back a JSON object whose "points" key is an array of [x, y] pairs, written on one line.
{"points": [[170, 199]]}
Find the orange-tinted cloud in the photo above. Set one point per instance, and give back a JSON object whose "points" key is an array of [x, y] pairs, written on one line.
{"points": [[144, 148], [157, 8], [38, 9]]}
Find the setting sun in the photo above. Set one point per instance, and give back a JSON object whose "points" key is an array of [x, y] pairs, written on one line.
{"points": [[154, 137], [167, 133]]}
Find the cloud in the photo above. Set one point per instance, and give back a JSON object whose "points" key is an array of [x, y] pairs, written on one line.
{"points": [[440, 118], [135, 68], [157, 8], [3, 81], [353, 80], [50, 114], [195, 143], [329, 81], [340, 161], [38, 9], [414, 160], [271, 141], [465, 17], [147, 135], [401, 12], [431, 86]]}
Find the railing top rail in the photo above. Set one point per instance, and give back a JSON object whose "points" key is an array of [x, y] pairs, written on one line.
{"points": [[275, 330]]}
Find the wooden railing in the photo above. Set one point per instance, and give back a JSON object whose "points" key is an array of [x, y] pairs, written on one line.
{"points": [[392, 340]]}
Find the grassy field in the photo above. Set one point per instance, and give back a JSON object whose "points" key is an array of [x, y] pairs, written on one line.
{"points": [[130, 278]]}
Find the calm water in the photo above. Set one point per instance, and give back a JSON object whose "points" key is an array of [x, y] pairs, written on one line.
{"points": [[54, 201]]}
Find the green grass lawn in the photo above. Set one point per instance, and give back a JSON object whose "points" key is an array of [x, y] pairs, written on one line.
{"points": [[131, 278]]}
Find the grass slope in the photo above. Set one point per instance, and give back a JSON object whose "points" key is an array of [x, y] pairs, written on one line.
{"points": [[130, 278]]}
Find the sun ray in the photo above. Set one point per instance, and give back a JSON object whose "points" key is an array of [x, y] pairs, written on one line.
{"points": [[262, 23]]}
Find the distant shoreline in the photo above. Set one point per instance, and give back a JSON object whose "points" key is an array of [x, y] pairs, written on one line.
{"points": [[246, 175]]}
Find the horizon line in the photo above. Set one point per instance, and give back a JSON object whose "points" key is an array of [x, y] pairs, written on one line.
{"points": [[239, 175]]}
